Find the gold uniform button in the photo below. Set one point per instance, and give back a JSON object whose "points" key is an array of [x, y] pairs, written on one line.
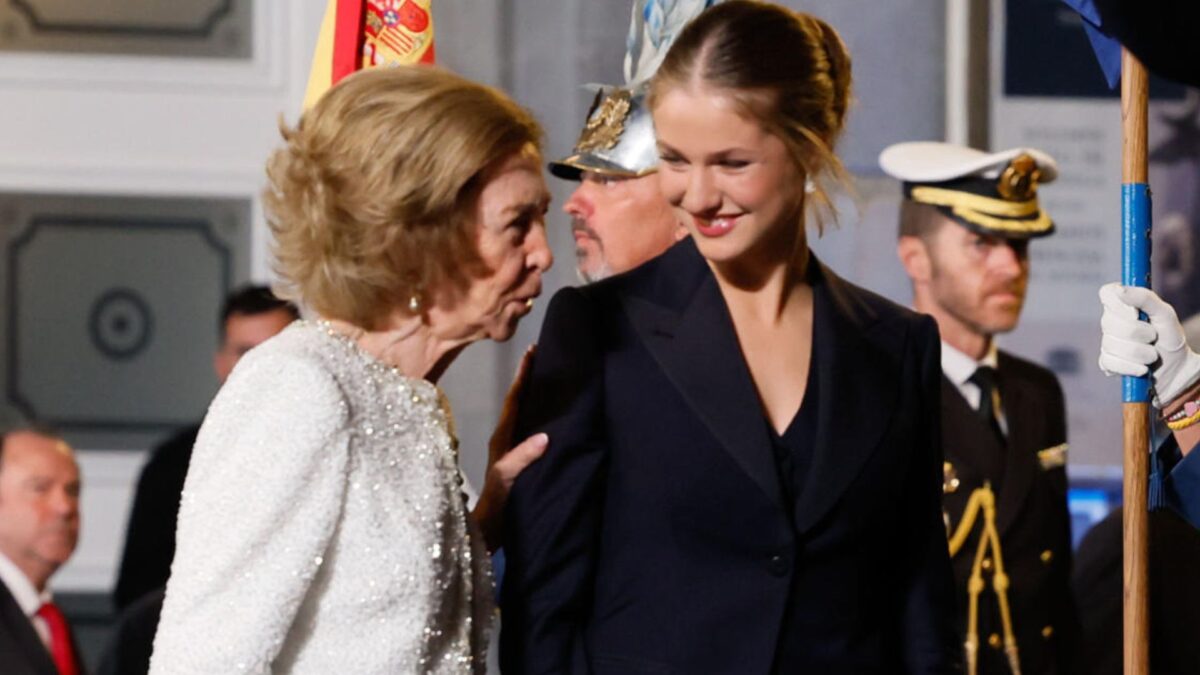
{"points": [[987, 564], [1047, 556], [994, 641], [1047, 632]]}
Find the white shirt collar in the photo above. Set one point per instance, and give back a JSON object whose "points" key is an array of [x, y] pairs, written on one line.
{"points": [[28, 598], [959, 367]]}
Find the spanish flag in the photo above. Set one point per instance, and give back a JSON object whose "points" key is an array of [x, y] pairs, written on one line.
{"points": [[359, 34]]}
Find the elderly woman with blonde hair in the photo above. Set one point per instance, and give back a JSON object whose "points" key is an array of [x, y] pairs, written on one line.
{"points": [[323, 527]]}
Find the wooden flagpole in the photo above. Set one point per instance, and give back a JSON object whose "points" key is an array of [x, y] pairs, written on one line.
{"points": [[1135, 263]]}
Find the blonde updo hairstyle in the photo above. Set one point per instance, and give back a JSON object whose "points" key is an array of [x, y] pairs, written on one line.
{"points": [[787, 70], [372, 198]]}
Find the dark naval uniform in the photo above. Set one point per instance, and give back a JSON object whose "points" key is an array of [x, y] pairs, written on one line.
{"points": [[1031, 516], [1005, 483]]}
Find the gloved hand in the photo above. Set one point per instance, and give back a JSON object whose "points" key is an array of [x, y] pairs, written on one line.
{"points": [[1132, 347]]}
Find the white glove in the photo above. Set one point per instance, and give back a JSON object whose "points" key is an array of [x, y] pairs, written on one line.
{"points": [[1133, 347]]}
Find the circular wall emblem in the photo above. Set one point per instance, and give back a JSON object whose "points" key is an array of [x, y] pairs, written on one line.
{"points": [[120, 324]]}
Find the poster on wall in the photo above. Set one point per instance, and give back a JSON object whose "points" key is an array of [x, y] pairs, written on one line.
{"points": [[1049, 93]]}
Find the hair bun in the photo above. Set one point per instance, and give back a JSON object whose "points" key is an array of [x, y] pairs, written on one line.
{"points": [[839, 68]]}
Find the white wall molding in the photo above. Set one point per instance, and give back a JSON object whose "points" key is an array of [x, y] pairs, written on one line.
{"points": [[134, 179], [265, 72]]}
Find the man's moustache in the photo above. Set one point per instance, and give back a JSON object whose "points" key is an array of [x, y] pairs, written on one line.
{"points": [[580, 225]]}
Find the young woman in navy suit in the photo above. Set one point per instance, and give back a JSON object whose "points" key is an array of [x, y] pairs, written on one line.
{"points": [[743, 473]]}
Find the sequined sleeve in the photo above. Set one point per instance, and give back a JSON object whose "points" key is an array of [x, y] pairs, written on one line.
{"points": [[261, 503]]}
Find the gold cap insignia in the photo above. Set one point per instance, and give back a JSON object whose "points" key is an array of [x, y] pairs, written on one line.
{"points": [[1019, 181], [605, 126]]}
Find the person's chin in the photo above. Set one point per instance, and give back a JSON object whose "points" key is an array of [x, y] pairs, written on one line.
{"points": [[58, 552], [506, 326], [721, 250], [1003, 322], [591, 272]]}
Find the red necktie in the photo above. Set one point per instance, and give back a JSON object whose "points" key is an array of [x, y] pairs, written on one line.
{"points": [[61, 649]]}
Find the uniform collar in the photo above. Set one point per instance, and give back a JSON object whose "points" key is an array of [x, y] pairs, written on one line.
{"points": [[28, 598], [959, 367]]}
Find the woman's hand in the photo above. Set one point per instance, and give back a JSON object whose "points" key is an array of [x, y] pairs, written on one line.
{"points": [[506, 462]]}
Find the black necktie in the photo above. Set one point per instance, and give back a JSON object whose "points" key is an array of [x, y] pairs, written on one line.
{"points": [[984, 377]]}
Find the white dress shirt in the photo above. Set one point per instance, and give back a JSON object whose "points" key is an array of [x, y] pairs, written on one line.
{"points": [[28, 598], [959, 368]]}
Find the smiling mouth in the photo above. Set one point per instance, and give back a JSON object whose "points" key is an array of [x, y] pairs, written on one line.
{"points": [[716, 226]]}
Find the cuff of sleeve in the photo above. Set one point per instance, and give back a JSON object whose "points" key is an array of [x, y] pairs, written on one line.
{"points": [[1183, 488]]}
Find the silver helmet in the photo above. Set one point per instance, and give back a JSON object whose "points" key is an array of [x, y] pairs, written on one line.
{"points": [[617, 140], [618, 137]]}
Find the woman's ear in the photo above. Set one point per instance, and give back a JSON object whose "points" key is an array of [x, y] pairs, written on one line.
{"points": [[914, 256]]}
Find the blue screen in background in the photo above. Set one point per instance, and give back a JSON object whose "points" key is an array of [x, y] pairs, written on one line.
{"points": [[1090, 498]]}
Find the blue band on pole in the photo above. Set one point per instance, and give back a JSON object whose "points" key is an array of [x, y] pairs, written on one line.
{"points": [[1135, 265]]}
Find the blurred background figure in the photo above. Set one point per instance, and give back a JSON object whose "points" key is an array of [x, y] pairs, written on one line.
{"points": [[966, 223], [39, 527]]}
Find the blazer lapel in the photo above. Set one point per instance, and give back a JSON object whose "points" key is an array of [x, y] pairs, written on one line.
{"points": [[859, 377], [687, 328], [1020, 464], [689, 332], [20, 628]]}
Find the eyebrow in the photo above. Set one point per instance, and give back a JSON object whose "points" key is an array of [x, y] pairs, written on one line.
{"points": [[722, 154], [541, 203]]}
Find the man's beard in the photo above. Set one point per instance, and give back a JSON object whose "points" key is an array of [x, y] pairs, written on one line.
{"points": [[600, 274], [603, 271]]}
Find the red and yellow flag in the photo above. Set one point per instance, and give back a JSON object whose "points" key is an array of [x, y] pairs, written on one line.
{"points": [[358, 34]]}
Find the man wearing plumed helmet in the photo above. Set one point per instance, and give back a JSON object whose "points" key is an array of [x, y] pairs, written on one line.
{"points": [[619, 217]]}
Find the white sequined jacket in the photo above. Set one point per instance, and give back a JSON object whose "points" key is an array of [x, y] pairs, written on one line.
{"points": [[323, 528]]}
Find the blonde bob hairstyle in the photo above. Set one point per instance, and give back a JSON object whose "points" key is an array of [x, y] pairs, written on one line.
{"points": [[372, 197], [787, 70]]}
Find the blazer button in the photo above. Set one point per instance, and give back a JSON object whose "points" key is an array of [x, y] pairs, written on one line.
{"points": [[1047, 556], [1047, 632], [994, 641], [778, 565]]}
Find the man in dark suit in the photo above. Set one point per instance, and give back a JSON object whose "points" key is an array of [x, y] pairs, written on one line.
{"points": [[250, 315], [965, 225], [39, 527]]}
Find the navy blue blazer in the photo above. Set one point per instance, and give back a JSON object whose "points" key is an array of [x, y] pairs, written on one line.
{"points": [[653, 536], [1180, 480]]}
